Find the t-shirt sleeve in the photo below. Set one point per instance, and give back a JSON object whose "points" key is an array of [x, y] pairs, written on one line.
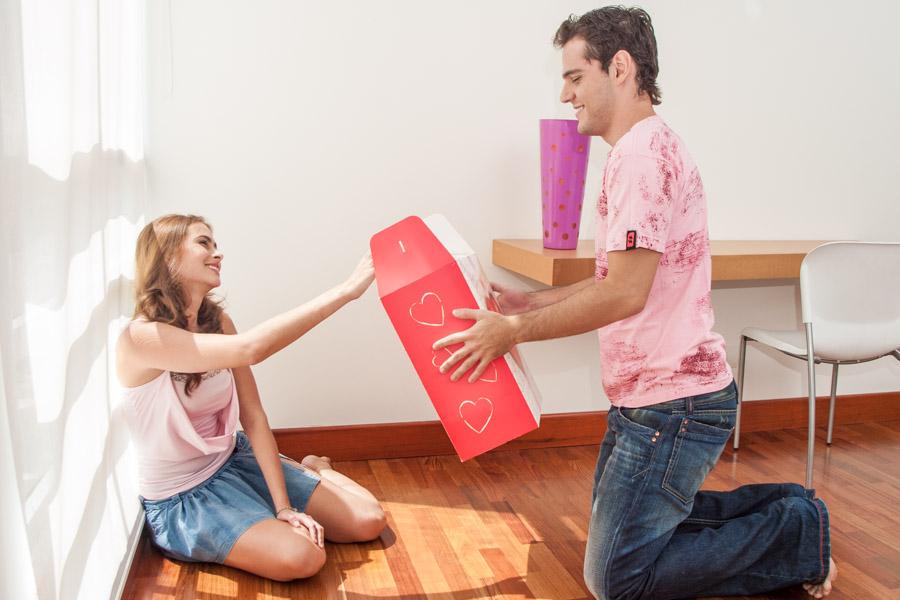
{"points": [[639, 196]]}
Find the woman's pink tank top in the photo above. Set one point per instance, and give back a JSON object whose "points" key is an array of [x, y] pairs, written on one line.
{"points": [[181, 440]]}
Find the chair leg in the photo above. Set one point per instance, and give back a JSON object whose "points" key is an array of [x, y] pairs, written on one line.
{"points": [[742, 357], [811, 374], [834, 376]]}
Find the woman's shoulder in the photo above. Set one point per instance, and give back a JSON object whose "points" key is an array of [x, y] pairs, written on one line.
{"points": [[130, 373], [133, 328]]}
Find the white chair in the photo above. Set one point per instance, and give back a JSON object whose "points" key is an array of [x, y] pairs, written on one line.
{"points": [[850, 300]]}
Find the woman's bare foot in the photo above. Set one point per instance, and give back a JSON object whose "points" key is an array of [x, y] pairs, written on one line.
{"points": [[316, 463], [820, 590]]}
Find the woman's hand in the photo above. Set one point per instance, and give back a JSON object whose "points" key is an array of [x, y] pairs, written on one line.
{"points": [[361, 278], [299, 519]]}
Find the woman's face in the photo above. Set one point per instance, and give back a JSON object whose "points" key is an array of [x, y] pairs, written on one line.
{"points": [[200, 261]]}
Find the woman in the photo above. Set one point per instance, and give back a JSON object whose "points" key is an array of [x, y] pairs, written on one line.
{"points": [[210, 493]]}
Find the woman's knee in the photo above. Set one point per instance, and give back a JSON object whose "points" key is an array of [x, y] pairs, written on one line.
{"points": [[370, 522], [301, 561]]}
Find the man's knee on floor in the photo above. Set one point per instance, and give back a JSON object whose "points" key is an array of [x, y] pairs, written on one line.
{"points": [[596, 581], [605, 585]]}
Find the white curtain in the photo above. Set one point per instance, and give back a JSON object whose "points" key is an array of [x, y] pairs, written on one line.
{"points": [[72, 189]]}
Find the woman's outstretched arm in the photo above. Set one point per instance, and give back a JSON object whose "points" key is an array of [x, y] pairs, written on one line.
{"points": [[148, 346]]}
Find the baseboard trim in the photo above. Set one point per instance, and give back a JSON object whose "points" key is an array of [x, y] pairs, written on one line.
{"points": [[131, 555], [427, 438]]}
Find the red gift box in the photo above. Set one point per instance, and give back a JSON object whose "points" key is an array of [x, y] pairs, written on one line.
{"points": [[424, 270]]}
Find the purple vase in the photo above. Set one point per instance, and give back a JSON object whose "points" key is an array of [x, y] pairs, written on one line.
{"points": [[564, 156]]}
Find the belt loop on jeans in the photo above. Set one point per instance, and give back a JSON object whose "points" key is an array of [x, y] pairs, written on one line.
{"points": [[689, 405]]}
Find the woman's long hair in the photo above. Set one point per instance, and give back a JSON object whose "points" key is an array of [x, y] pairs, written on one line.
{"points": [[158, 295]]}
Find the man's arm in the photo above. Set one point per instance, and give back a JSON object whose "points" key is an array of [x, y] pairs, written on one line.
{"points": [[620, 295], [513, 301], [595, 304]]}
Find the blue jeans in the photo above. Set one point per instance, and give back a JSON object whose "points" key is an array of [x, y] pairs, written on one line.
{"points": [[654, 535]]}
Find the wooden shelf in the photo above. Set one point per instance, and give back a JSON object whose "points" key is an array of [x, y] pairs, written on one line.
{"points": [[743, 260]]}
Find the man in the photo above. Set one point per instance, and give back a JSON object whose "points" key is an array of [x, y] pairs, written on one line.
{"points": [[652, 533]]}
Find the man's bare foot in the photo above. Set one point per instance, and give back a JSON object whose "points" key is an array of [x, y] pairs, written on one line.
{"points": [[316, 463], [820, 590]]}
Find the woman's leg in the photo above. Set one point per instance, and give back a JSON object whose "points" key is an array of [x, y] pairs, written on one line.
{"points": [[348, 511], [322, 466], [276, 550]]}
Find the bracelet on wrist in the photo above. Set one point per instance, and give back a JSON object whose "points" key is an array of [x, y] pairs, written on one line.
{"points": [[283, 508]]}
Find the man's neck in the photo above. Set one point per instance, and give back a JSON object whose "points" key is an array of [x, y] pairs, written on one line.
{"points": [[623, 124]]}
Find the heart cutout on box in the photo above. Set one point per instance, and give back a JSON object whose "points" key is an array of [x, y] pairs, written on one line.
{"points": [[439, 356], [428, 311], [476, 414], [490, 374]]}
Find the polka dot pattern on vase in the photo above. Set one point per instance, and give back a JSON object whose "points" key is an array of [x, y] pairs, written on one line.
{"points": [[564, 157]]}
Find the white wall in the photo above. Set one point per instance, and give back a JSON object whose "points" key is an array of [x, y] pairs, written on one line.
{"points": [[300, 129]]}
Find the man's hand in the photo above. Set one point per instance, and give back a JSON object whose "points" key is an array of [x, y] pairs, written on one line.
{"points": [[511, 301], [491, 336]]}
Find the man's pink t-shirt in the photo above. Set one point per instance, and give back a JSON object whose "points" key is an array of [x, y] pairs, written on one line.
{"points": [[653, 198]]}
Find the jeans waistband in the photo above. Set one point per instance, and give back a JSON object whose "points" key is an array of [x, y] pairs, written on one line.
{"points": [[689, 404]]}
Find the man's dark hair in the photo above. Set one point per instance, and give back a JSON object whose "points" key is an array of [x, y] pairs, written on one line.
{"points": [[610, 29]]}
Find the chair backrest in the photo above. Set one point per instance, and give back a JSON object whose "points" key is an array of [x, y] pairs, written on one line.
{"points": [[850, 292]]}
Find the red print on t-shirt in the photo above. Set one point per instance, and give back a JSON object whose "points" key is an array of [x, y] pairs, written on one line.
{"points": [[704, 363]]}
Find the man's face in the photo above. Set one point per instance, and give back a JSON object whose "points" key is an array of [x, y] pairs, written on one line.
{"points": [[587, 87]]}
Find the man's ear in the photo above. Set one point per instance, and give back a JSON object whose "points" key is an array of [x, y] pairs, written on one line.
{"points": [[621, 66]]}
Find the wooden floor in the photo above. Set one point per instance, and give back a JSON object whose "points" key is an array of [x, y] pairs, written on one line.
{"points": [[513, 524]]}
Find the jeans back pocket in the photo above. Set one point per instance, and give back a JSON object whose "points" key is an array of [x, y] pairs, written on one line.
{"points": [[698, 445]]}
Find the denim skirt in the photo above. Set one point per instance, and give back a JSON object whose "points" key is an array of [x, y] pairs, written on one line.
{"points": [[203, 523]]}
